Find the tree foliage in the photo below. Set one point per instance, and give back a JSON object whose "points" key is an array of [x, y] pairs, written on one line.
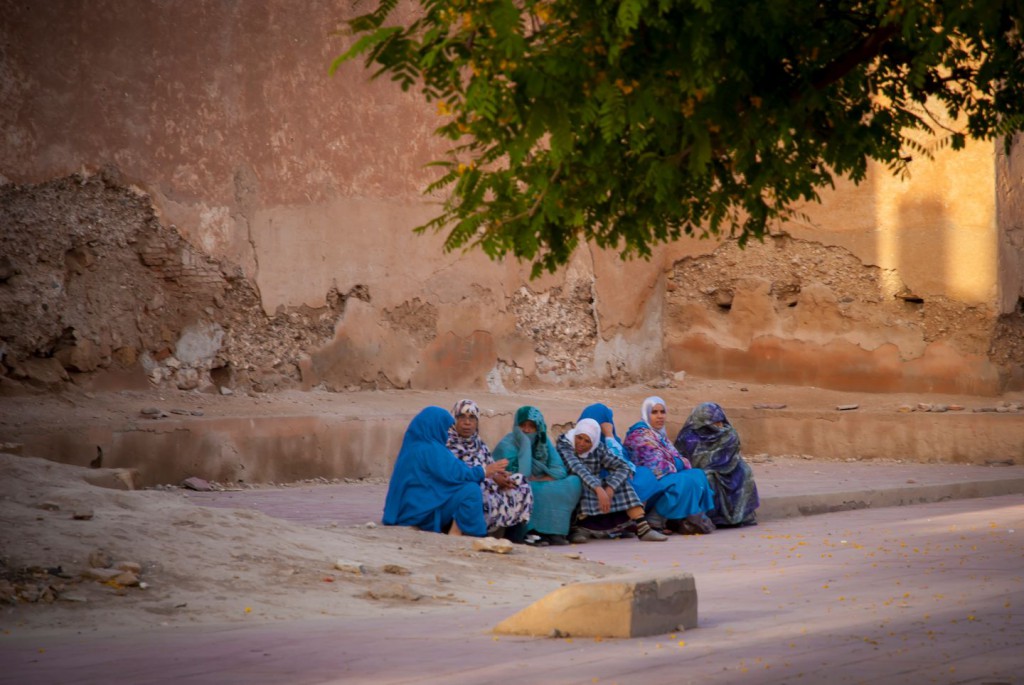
{"points": [[632, 122]]}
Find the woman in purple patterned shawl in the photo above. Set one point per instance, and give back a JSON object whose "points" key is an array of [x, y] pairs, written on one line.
{"points": [[507, 496], [677, 495], [713, 445]]}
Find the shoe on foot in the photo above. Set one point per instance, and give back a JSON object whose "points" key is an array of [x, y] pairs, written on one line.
{"points": [[657, 521], [653, 536], [556, 540], [578, 537]]}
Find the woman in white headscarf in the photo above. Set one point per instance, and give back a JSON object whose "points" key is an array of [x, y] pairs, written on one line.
{"points": [[609, 502], [677, 495]]}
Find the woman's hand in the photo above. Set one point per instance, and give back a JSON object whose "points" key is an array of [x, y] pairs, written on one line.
{"points": [[495, 467], [604, 500]]}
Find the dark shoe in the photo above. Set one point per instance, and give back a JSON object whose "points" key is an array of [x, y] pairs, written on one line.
{"points": [[534, 540], [556, 540], [578, 537], [696, 524], [517, 533]]}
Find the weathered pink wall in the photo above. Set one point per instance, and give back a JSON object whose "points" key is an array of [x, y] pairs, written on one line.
{"points": [[223, 112]]}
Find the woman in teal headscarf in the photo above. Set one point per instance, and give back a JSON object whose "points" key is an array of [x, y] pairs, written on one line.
{"points": [[530, 452]]}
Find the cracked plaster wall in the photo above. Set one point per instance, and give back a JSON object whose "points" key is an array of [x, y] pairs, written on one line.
{"points": [[304, 188]]}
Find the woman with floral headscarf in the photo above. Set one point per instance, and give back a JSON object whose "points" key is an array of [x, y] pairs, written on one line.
{"points": [[713, 445], [507, 496], [677, 494], [609, 503], [431, 489], [529, 452]]}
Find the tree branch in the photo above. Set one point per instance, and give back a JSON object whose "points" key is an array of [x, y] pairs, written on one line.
{"points": [[866, 50]]}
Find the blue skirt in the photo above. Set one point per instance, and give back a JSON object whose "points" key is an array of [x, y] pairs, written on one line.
{"points": [[674, 495]]}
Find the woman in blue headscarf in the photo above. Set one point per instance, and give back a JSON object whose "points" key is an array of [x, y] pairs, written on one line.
{"points": [[430, 488], [677, 494], [609, 436], [529, 451], [713, 445]]}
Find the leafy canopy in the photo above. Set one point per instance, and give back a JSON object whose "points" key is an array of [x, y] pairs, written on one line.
{"points": [[631, 122]]}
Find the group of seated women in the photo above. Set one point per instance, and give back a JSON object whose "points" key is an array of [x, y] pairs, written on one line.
{"points": [[588, 483]]}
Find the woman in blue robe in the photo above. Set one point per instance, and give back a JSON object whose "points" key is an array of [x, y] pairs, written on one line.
{"points": [[430, 488], [713, 445], [529, 451]]}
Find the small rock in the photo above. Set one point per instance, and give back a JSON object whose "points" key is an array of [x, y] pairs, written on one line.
{"points": [[129, 566], [940, 408], [395, 569], [956, 407], [495, 545], [393, 591], [101, 574], [65, 597], [150, 411], [905, 408], [182, 412], [82, 515], [126, 578], [350, 567], [847, 407], [769, 405], [198, 484], [369, 524], [49, 506], [100, 558], [922, 406], [225, 390]]}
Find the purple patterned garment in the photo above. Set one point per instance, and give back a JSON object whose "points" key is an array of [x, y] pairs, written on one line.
{"points": [[503, 507], [713, 444]]}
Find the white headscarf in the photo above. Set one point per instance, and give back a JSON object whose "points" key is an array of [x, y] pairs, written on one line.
{"points": [[649, 404], [589, 428]]}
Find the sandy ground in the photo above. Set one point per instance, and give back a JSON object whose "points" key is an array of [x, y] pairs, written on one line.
{"points": [[206, 565]]}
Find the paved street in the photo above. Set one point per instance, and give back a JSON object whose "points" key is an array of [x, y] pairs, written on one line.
{"points": [[929, 593]]}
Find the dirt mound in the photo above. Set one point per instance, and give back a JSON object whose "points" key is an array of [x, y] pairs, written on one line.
{"points": [[66, 544]]}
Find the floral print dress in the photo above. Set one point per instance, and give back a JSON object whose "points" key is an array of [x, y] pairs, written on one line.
{"points": [[503, 507]]}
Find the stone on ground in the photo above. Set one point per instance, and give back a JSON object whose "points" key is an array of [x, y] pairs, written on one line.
{"points": [[632, 605]]}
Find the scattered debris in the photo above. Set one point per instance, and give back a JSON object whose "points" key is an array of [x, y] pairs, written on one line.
{"points": [[495, 545]]}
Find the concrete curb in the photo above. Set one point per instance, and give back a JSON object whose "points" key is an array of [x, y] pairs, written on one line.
{"points": [[787, 506]]}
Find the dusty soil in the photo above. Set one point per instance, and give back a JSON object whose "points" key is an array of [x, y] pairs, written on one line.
{"points": [[204, 565]]}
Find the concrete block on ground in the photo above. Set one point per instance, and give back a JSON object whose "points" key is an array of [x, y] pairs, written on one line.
{"points": [[632, 605]]}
